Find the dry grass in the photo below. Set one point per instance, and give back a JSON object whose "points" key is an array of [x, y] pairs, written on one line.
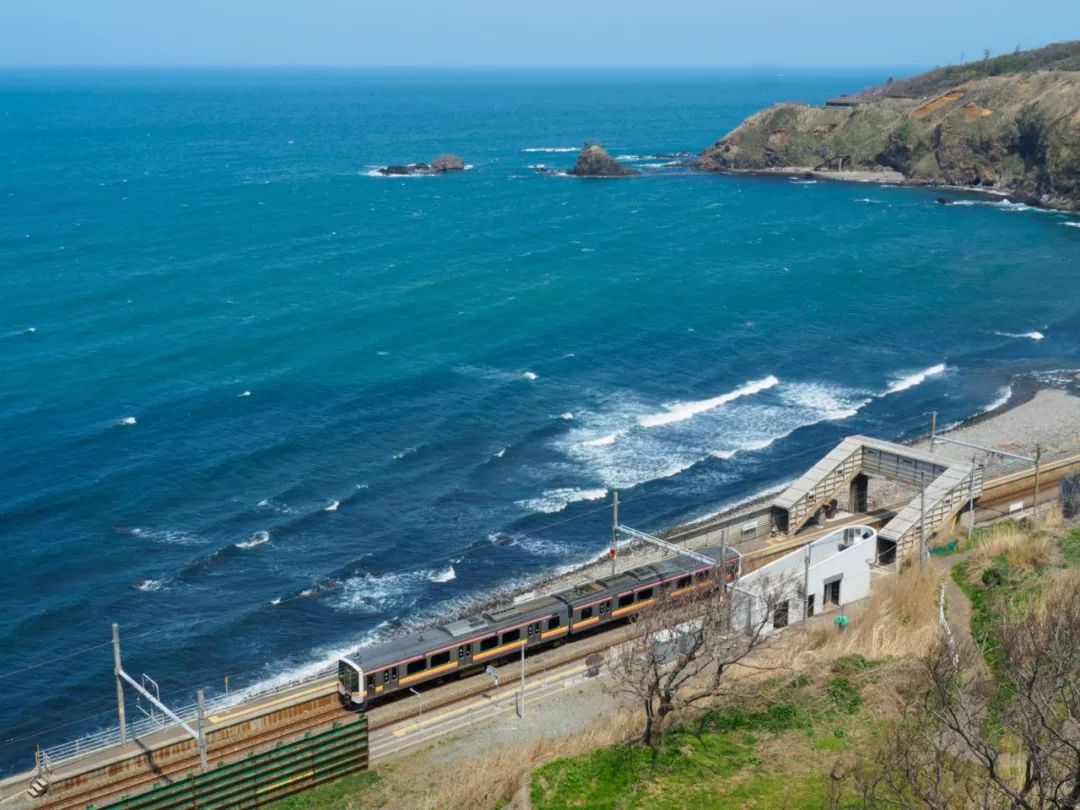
{"points": [[1025, 547], [899, 619], [499, 776]]}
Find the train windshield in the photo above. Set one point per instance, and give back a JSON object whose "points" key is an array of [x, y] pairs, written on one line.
{"points": [[348, 676]]}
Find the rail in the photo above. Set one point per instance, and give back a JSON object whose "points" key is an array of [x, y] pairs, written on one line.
{"points": [[54, 756], [62, 753]]}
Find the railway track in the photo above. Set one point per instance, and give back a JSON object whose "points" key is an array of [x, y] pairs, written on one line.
{"points": [[322, 709]]}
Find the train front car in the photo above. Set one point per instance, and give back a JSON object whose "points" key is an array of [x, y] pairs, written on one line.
{"points": [[350, 679]]}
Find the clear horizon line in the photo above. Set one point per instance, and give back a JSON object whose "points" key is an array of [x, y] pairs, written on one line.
{"points": [[224, 67]]}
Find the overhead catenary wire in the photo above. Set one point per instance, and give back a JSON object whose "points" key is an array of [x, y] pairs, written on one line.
{"points": [[241, 612]]}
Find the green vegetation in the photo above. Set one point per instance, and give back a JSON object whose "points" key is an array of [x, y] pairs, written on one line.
{"points": [[725, 758], [1059, 56], [352, 792]]}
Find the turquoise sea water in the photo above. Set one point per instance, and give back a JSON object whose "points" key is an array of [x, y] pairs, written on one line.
{"points": [[257, 404]]}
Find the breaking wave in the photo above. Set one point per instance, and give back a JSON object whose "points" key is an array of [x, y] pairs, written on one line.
{"points": [[556, 500], [911, 380], [551, 149], [257, 539], [1033, 335], [1004, 394], [679, 411]]}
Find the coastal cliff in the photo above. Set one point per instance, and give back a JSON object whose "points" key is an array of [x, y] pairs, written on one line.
{"points": [[1009, 124]]}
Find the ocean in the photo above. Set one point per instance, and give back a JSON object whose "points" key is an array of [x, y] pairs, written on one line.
{"points": [[259, 404]]}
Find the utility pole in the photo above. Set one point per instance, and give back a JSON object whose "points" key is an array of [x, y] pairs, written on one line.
{"points": [[806, 583], [933, 429], [117, 669], [971, 500], [1038, 459], [613, 552], [922, 529], [201, 704], [521, 699]]}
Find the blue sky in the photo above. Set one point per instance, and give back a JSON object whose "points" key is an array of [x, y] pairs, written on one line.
{"points": [[547, 33]]}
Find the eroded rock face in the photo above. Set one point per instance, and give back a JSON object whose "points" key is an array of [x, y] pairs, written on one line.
{"points": [[594, 161], [440, 165], [1018, 133], [405, 168], [447, 163]]}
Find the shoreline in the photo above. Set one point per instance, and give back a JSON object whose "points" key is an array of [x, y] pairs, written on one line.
{"points": [[1032, 413], [883, 177]]}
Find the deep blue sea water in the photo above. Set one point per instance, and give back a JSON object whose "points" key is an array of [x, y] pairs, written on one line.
{"points": [[257, 404]]}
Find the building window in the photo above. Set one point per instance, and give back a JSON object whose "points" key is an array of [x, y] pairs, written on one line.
{"points": [[780, 615], [810, 605], [832, 592]]}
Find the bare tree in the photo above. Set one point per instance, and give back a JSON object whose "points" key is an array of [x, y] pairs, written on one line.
{"points": [[972, 738], [685, 645]]}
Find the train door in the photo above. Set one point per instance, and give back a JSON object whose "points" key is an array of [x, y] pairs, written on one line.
{"points": [[605, 610], [533, 634], [464, 654]]}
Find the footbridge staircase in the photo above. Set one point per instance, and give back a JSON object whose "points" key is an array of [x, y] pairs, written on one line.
{"points": [[945, 489]]}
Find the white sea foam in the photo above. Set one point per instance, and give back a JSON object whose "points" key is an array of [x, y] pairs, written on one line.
{"points": [[1033, 335], [911, 380], [556, 500], [257, 539], [445, 575], [679, 411], [332, 506], [244, 394], [567, 417], [1071, 224], [149, 584], [602, 441], [550, 149], [128, 420], [171, 537], [1004, 394], [530, 375], [500, 453], [276, 600]]}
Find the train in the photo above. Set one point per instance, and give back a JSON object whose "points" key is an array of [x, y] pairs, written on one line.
{"points": [[468, 645]]}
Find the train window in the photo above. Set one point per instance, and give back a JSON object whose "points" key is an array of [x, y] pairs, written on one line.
{"points": [[586, 613], [645, 593], [532, 629], [386, 676], [684, 582], [700, 576], [489, 643], [626, 599], [511, 635], [370, 681], [553, 622], [419, 665], [462, 651], [439, 659]]}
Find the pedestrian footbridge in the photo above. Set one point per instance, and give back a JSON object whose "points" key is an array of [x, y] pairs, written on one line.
{"points": [[944, 490]]}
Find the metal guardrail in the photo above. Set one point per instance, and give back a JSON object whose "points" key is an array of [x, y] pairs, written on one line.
{"points": [[54, 756]]}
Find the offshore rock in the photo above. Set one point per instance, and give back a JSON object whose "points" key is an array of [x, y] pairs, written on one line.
{"points": [[594, 161], [447, 163], [1010, 124]]}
